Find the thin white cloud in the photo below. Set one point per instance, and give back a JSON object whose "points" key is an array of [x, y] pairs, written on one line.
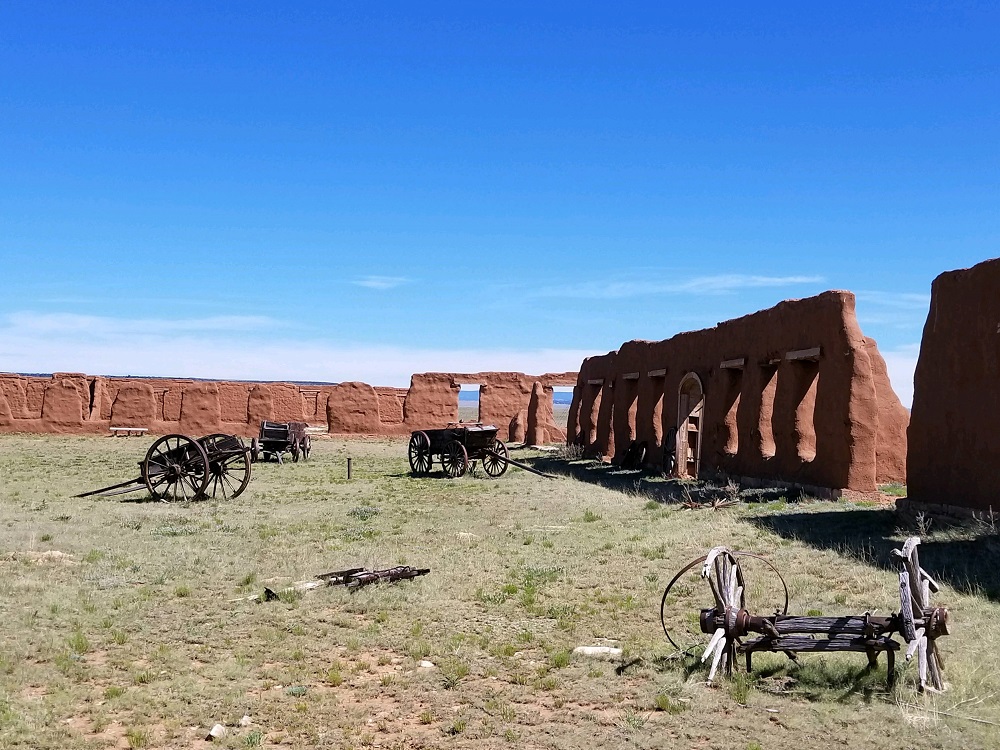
{"points": [[904, 301], [719, 284], [901, 363], [94, 325], [380, 283], [903, 311], [104, 346]]}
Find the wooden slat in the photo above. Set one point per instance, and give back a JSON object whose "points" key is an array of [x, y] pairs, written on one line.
{"points": [[733, 364], [657, 373], [630, 376], [805, 644], [853, 625], [596, 381], [804, 354]]}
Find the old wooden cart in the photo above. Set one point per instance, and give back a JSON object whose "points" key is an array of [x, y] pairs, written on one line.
{"points": [[277, 438], [181, 468], [735, 630], [457, 446]]}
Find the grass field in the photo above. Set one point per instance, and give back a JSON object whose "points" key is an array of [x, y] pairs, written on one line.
{"points": [[126, 623]]}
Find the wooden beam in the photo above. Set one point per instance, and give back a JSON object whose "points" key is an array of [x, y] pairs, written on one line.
{"points": [[733, 364], [804, 354], [630, 376], [657, 373], [596, 381]]}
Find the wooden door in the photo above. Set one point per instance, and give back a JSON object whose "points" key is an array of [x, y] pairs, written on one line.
{"points": [[690, 410]]}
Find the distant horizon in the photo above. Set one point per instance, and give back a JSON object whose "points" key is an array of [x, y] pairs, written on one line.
{"points": [[360, 191]]}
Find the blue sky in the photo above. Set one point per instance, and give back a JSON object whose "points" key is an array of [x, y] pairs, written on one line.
{"points": [[359, 190]]}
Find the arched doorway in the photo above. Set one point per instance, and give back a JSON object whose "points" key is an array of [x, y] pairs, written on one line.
{"points": [[690, 408]]}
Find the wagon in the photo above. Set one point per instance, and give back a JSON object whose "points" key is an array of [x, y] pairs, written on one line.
{"points": [[456, 446], [178, 467], [281, 437]]}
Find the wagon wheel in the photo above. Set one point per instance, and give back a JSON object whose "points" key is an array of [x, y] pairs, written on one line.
{"points": [[922, 623], [670, 451], [721, 568], [306, 447], [295, 452], [175, 468], [455, 459], [495, 462], [419, 453], [635, 455], [228, 465], [254, 450]]}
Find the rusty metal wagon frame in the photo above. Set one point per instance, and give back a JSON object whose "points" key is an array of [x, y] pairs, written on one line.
{"points": [[457, 447], [179, 468]]}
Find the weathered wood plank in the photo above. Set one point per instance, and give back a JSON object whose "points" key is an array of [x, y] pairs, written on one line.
{"points": [[805, 644]]}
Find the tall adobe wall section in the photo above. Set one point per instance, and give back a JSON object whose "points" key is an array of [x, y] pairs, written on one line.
{"points": [[954, 455], [505, 400], [77, 403], [793, 393]]}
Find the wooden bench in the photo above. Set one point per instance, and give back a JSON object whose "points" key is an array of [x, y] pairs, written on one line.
{"points": [[128, 431]]}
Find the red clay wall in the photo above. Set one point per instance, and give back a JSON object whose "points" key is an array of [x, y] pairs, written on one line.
{"points": [[504, 400], [954, 455], [793, 393], [76, 403]]}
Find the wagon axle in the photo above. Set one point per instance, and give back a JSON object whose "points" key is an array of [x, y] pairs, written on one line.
{"points": [[180, 468]]}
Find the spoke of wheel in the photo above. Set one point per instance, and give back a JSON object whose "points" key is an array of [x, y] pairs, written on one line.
{"points": [[163, 477]]}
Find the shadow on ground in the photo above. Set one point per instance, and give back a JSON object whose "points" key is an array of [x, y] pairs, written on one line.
{"points": [[653, 485], [965, 558]]}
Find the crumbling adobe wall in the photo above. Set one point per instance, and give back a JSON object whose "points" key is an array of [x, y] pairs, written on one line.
{"points": [[954, 453], [134, 405], [504, 400], [353, 408], [201, 411], [390, 404], [793, 393], [76, 403]]}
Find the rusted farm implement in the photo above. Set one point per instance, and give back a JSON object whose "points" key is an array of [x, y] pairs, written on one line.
{"points": [[277, 438], [729, 623], [181, 468], [458, 447]]}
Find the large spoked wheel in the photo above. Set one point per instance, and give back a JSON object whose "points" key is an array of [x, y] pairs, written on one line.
{"points": [[455, 459], [296, 452], [228, 465], [419, 453], [254, 450], [923, 623], [495, 462], [670, 452], [723, 571], [176, 469], [306, 447]]}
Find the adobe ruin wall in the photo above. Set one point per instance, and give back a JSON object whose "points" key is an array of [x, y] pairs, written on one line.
{"points": [[953, 463], [793, 393], [71, 403]]}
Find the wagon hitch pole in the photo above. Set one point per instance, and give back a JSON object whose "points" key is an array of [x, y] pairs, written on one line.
{"points": [[519, 465]]}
